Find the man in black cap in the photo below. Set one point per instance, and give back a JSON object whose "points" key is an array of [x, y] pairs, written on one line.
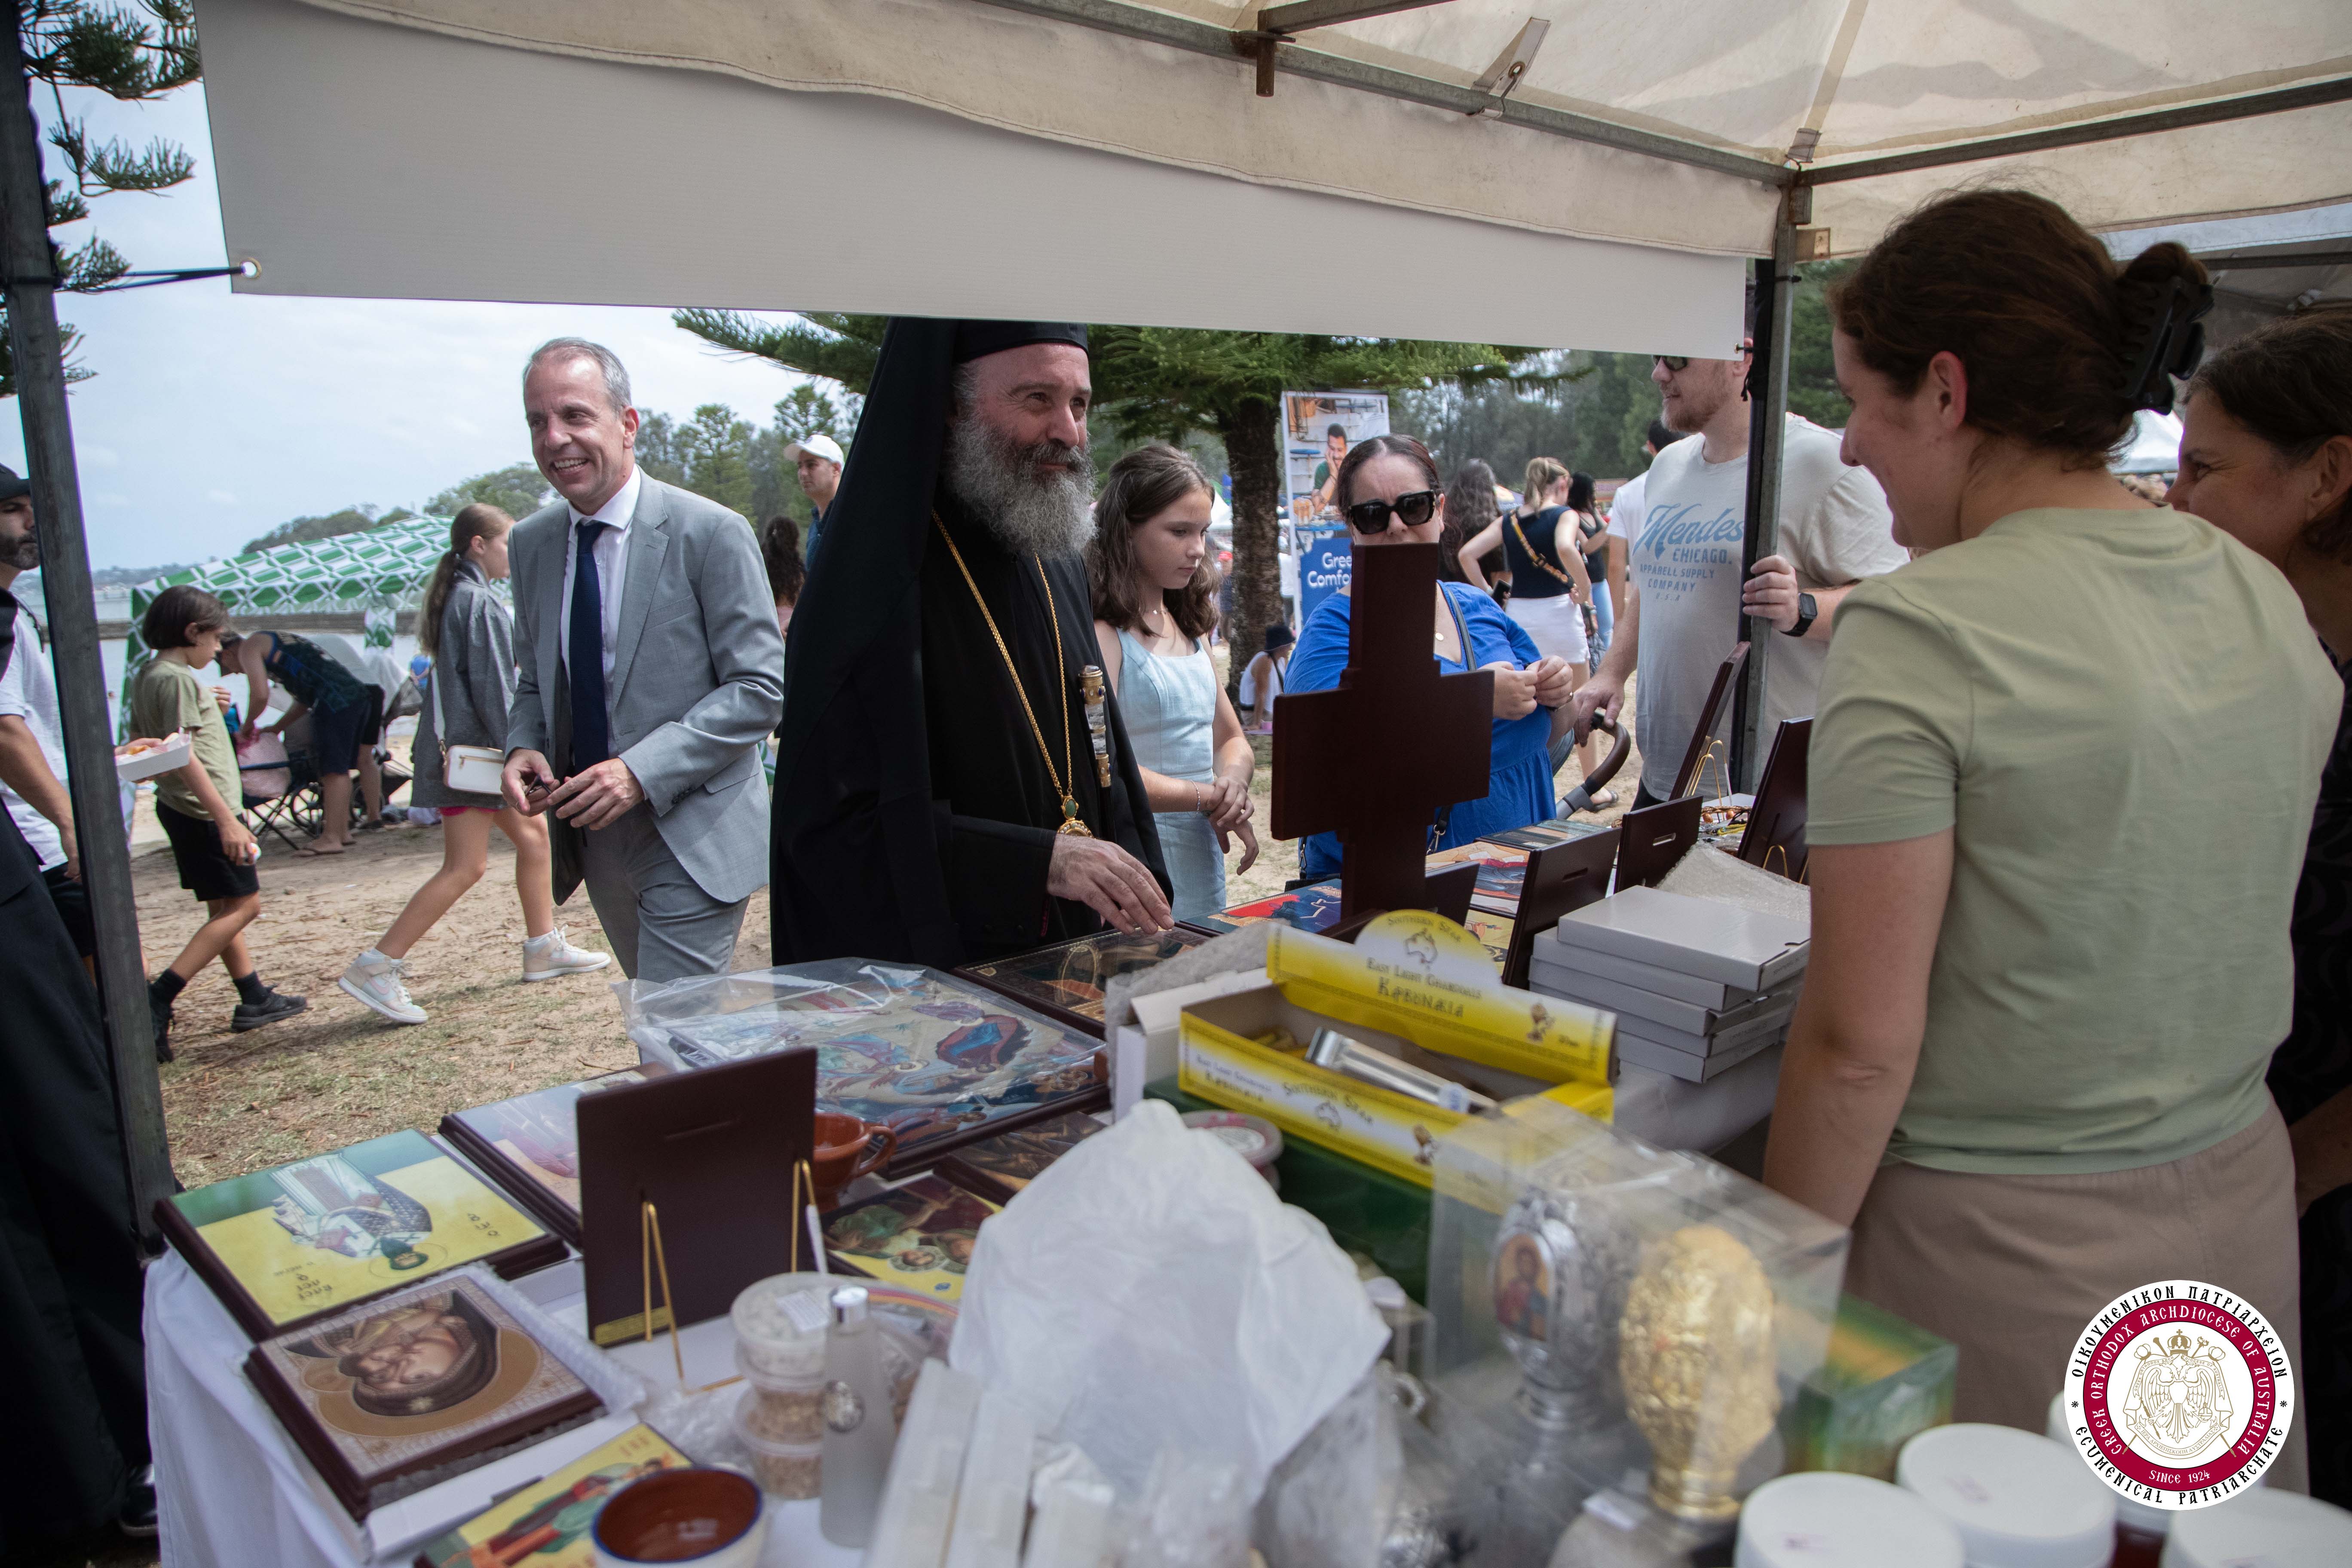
{"points": [[939, 797]]}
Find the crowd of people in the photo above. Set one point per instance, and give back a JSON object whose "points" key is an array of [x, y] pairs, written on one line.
{"points": [[2073, 1021]]}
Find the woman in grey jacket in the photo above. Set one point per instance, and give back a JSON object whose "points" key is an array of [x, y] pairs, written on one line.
{"points": [[469, 635]]}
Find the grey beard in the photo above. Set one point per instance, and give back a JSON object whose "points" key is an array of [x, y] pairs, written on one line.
{"points": [[998, 482], [24, 555]]}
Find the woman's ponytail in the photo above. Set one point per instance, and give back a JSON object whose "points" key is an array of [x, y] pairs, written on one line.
{"points": [[479, 521]]}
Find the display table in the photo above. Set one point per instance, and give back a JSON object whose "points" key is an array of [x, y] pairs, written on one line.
{"points": [[232, 1491]]}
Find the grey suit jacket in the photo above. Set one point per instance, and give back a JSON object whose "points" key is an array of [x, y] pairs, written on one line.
{"points": [[698, 679]]}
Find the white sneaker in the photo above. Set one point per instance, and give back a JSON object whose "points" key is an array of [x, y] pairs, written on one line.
{"points": [[375, 980], [550, 957]]}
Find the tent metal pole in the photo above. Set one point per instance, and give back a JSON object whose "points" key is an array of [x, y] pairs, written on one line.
{"points": [[2277, 101], [25, 254], [1200, 37], [2223, 261], [1767, 409], [1303, 14]]}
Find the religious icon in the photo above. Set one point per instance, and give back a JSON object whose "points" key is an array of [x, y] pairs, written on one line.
{"points": [[326, 1203], [1315, 908], [546, 1525], [1502, 870], [1546, 834], [918, 1236], [424, 1380], [936, 1061], [419, 1359], [531, 1144], [1069, 979], [1523, 1287], [1002, 1165], [284, 1246]]}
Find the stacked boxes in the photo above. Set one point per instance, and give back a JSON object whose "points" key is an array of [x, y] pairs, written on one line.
{"points": [[1698, 985]]}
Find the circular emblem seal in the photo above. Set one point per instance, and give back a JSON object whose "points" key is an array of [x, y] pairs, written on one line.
{"points": [[2178, 1394]]}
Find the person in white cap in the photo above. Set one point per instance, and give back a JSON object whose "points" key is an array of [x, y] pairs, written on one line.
{"points": [[817, 460]]}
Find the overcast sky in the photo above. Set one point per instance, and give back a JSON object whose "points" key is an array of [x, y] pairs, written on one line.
{"points": [[214, 417]]}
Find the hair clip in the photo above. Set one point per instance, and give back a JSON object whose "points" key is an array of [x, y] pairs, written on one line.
{"points": [[2169, 346]]}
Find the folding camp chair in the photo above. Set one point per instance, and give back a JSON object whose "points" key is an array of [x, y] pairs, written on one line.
{"points": [[283, 794]]}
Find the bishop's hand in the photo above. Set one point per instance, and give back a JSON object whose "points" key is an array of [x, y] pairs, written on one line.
{"points": [[1109, 881]]}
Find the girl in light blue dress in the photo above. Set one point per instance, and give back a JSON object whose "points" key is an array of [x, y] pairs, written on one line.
{"points": [[1155, 601]]}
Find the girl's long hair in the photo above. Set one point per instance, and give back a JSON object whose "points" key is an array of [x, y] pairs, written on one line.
{"points": [[780, 547], [479, 521], [1139, 487]]}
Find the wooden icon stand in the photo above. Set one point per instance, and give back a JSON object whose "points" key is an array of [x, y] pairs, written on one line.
{"points": [[1377, 757], [687, 1187]]}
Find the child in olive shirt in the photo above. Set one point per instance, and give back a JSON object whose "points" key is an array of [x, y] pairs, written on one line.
{"points": [[197, 806]]}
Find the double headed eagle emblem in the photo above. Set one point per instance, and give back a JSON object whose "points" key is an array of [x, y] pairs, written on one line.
{"points": [[2178, 1405]]}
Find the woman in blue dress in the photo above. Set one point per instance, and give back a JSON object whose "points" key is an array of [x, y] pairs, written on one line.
{"points": [[1388, 491], [1155, 601]]}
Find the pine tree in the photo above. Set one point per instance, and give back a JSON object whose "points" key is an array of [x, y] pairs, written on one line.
{"points": [[1170, 381], [134, 52]]}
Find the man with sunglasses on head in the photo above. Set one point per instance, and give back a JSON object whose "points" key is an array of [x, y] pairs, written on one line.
{"points": [[1685, 596]]}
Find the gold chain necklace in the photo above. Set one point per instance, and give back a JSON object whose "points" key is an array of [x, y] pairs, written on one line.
{"points": [[1071, 821]]}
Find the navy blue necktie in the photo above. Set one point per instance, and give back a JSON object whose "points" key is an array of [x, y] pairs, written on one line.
{"points": [[592, 737]]}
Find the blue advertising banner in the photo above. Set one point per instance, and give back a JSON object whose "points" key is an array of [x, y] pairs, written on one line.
{"points": [[1323, 562]]}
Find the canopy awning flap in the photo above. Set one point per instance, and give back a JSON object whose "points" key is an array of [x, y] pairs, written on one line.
{"points": [[361, 159], [1847, 79], [1112, 160]]}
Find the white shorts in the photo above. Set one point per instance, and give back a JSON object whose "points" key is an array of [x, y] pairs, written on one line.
{"points": [[1557, 625]]}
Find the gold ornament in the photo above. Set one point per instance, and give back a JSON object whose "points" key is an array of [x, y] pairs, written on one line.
{"points": [[1696, 1350]]}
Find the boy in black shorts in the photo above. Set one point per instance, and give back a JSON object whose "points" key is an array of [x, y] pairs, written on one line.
{"points": [[197, 806]]}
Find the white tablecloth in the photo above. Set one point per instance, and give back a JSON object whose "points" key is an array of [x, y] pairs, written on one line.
{"points": [[232, 1492]]}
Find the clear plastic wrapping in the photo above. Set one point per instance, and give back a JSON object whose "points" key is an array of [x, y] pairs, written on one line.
{"points": [[1605, 1308], [921, 1052]]}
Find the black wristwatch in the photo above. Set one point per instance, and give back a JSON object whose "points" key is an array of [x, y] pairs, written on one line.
{"points": [[1807, 612]]}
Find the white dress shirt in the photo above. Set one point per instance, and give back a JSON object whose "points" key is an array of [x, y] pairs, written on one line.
{"points": [[612, 549], [28, 691]]}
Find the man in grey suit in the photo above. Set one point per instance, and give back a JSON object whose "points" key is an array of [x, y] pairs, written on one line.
{"points": [[650, 672]]}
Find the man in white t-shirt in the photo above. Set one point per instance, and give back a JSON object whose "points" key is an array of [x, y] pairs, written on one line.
{"points": [[32, 749], [1625, 509], [1681, 617]]}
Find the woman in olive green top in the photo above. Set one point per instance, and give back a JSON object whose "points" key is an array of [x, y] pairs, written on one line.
{"points": [[2049, 966]]}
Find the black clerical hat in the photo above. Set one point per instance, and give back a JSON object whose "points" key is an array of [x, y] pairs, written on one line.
{"points": [[976, 340]]}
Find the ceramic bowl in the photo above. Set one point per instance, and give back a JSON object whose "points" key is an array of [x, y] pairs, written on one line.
{"points": [[708, 1517]]}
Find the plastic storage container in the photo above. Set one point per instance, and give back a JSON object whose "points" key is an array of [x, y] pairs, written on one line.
{"points": [[1253, 1138], [1828, 1519], [779, 1342], [2018, 1500], [2140, 1527], [788, 1471], [2273, 1529]]}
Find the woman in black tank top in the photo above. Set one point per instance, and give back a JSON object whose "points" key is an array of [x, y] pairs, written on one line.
{"points": [[1550, 586]]}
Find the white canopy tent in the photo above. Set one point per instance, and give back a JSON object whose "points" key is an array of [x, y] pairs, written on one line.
{"points": [[411, 147]]}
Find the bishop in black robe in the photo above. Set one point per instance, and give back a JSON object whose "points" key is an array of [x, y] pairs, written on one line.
{"points": [[915, 814]]}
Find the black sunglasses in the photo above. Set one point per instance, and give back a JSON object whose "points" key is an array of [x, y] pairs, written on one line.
{"points": [[1412, 509], [1675, 363]]}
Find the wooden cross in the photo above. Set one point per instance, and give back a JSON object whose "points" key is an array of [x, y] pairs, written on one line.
{"points": [[1378, 756]]}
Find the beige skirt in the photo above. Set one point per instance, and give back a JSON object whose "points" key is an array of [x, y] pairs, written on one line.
{"points": [[2010, 1269]]}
